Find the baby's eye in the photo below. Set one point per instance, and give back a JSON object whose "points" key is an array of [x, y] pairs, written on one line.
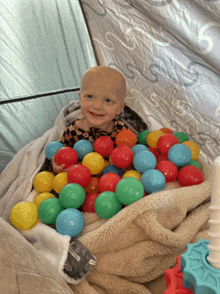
{"points": [[89, 96], [108, 100]]}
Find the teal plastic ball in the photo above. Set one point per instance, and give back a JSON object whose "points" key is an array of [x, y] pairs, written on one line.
{"points": [[180, 154], [129, 190], [153, 180], [83, 147], [144, 160], [107, 205], [52, 148], [138, 148], [70, 222], [72, 196]]}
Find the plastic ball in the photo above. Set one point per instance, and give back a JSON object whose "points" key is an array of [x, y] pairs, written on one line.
{"points": [[153, 137], [41, 197], [107, 205], [70, 222], [52, 148], [165, 142], [72, 196], [144, 160], [94, 162], [166, 131], [104, 146], [129, 190], [89, 203], [24, 215], [181, 136], [162, 157], [122, 156], [49, 210], [59, 181], [195, 163], [112, 169], [154, 151], [168, 169], [67, 156], [190, 175], [126, 138], [193, 147], [108, 182], [110, 160], [93, 186], [79, 174], [82, 148], [132, 174], [180, 155], [153, 180], [143, 136], [138, 147], [43, 182]]}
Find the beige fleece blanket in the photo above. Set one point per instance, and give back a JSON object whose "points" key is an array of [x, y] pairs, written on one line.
{"points": [[132, 248]]}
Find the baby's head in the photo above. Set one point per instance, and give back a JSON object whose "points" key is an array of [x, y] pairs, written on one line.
{"points": [[102, 95]]}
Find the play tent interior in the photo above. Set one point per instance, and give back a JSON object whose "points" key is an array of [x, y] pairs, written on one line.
{"points": [[167, 51]]}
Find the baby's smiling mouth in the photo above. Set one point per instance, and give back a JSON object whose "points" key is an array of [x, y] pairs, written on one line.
{"points": [[96, 115]]}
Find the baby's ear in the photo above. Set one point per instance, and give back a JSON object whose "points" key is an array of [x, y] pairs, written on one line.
{"points": [[121, 108]]}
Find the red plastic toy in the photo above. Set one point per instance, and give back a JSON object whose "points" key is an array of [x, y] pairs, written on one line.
{"points": [[190, 175], [67, 156], [122, 156], [165, 142], [79, 174], [174, 280], [89, 203], [92, 186], [108, 182], [168, 169], [104, 146]]}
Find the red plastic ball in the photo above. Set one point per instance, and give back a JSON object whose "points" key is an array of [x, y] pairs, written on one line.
{"points": [[108, 182], [168, 169], [165, 142], [162, 157], [93, 186], [103, 145], [190, 175], [126, 138], [67, 156], [122, 156], [154, 151], [79, 174], [89, 203]]}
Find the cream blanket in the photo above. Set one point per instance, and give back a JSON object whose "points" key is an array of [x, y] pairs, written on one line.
{"points": [[132, 248]]}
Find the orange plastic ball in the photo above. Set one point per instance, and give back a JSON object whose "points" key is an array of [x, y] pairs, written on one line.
{"points": [[126, 138], [153, 137], [166, 131], [92, 186]]}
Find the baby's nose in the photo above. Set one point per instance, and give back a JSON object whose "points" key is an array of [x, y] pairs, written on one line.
{"points": [[98, 104]]}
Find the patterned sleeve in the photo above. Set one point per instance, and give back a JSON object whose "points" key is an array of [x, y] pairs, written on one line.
{"points": [[67, 139]]}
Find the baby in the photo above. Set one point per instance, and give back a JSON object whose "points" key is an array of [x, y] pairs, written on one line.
{"points": [[102, 97]]}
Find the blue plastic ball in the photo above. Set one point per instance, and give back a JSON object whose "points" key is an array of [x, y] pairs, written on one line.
{"points": [[83, 147], [112, 169], [52, 148], [138, 148], [70, 222], [153, 180], [180, 154], [144, 160]]}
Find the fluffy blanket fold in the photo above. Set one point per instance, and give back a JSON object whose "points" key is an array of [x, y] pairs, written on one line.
{"points": [[132, 248]]}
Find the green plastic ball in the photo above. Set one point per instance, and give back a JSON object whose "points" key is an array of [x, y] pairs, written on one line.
{"points": [[143, 136], [181, 136], [107, 205], [72, 196], [195, 163], [129, 190], [48, 210]]}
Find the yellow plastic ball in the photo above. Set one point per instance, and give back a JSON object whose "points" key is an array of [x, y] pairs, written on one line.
{"points": [[133, 174], [194, 149], [94, 161], [24, 215], [43, 182], [41, 197], [60, 181], [153, 137]]}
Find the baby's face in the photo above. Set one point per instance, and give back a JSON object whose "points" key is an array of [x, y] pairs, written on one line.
{"points": [[101, 100]]}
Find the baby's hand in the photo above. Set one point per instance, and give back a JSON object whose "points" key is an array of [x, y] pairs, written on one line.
{"points": [[58, 168]]}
